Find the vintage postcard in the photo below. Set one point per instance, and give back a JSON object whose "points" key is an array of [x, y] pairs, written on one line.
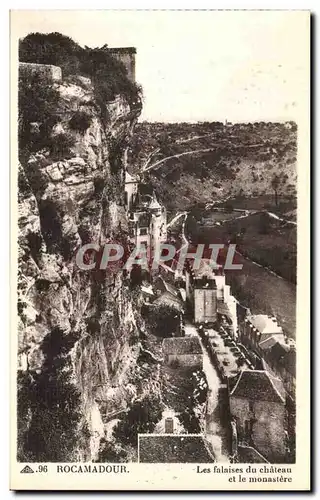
{"points": [[160, 199]]}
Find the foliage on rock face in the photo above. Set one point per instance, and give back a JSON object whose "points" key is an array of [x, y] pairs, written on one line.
{"points": [[110, 452], [38, 104], [197, 396], [108, 75], [141, 418], [48, 405]]}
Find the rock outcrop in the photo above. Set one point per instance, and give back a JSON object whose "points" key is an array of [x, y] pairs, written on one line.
{"points": [[70, 196]]}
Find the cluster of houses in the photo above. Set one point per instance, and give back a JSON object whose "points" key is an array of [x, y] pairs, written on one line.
{"points": [[264, 336], [258, 390]]}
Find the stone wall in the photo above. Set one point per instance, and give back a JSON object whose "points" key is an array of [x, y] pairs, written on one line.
{"points": [[43, 71], [268, 429]]}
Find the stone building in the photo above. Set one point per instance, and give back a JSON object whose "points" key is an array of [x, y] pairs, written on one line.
{"points": [[263, 334], [182, 352], [126, 55], [169, 423], [257, 328], [210, 296], [258, 406], [281, 360], [205, 300]]}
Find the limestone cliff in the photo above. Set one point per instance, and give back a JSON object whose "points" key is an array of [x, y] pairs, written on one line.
{"points": [[69, 195]]}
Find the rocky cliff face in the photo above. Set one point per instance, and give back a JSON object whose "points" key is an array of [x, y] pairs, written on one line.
{"points": [[90, 320]]}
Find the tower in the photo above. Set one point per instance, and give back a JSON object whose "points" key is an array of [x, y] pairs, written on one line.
{"points": [[158, 224]]}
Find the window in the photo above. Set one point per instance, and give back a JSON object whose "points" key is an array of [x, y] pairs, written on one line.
{"points": [[143, 231], [168, 425]]}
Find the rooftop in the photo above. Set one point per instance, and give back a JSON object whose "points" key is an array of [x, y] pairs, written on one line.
{"points": [[257, 385], [167, 298], [130, 178], [154, 204], [270, 341], [264, 323], [168, 448]]}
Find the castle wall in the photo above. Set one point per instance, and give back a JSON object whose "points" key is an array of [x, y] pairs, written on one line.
{"points": [[126, 55]]}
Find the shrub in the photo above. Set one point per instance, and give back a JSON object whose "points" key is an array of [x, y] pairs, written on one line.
{"points": [[141, 418], [80, 121], [109, 452], [37, 103], [50, 403], [52, 48], [163, 320]]}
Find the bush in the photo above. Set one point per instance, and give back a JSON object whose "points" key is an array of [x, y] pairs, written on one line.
{"points": [[37, 103], [109, 452], [141, 418], [80, 121], [49, 404], [163, 320]]}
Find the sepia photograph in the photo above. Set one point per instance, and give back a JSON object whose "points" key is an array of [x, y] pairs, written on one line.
{"points": [[158, 215]]}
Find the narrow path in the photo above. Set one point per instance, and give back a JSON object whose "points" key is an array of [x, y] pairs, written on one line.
{"points": [[274, 216], [194, 138], [215, 431], [206, 150], [176, 218]]}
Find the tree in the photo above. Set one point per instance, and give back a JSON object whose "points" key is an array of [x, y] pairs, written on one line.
{"points": [[141, 418], [275, 183], [38, 113], [163, 320], [49, 405]]}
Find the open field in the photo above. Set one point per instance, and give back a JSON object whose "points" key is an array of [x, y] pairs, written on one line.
{"points": [[260, 237], [209, 162], [265, 293], [267, 246]]}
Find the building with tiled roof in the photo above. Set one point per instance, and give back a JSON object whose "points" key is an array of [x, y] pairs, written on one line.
{"points": [[173, 301], [269, 342], [182, 351], [257, 385], [258, 405], [257, 328], [168, 448]]}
